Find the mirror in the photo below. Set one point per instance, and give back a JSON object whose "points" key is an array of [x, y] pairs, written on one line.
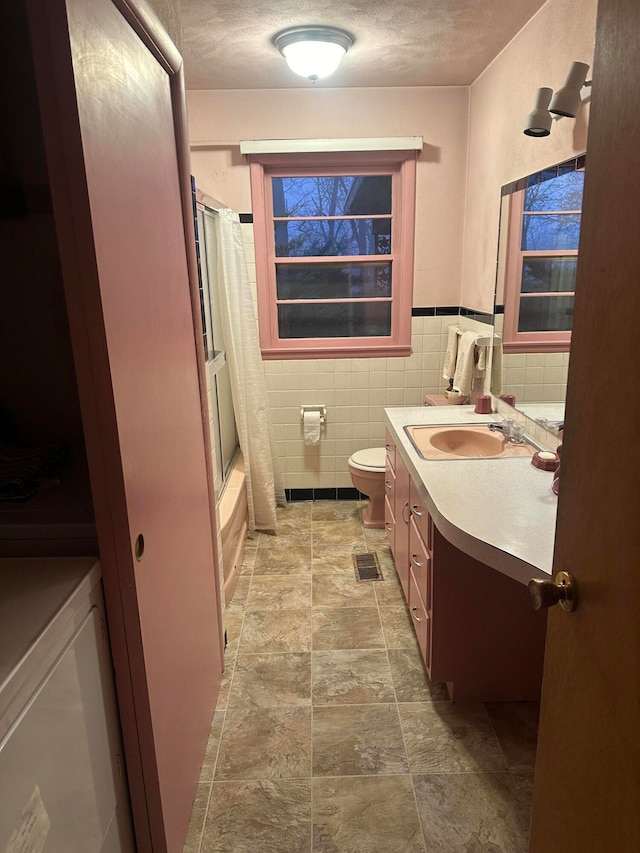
{"points": [[537, 255]]}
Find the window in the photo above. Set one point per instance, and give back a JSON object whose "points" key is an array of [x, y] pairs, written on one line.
{"points": [[334, 253], [544, 230]]}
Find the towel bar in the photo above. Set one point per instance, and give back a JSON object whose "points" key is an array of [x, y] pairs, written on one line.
{"points": [[481, 340]]}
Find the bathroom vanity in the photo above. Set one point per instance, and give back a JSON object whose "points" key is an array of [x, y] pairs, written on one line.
{"points": [[467, 535]]}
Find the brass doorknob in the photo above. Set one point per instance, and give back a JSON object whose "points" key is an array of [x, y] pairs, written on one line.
{"points": [[561, 590]]}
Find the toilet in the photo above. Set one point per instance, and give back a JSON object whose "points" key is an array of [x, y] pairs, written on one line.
{"points": [[367, 474]]}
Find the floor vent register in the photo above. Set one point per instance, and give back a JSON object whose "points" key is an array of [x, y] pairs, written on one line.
{"points": [[367, 567]]}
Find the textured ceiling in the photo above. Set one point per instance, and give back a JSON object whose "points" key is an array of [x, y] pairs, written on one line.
{"points": [[226, 44]]}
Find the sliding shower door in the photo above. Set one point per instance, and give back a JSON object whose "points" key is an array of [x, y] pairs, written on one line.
{"points": [[225, 434]]}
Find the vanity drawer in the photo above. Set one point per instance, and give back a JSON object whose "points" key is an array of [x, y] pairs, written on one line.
{"points": [[390, 525], [420, 516], [390, 483], [419, 617], [390, 447], [420, 562]]}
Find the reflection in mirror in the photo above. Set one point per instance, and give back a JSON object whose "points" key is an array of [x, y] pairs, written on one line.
{"points": [[537, 258]]}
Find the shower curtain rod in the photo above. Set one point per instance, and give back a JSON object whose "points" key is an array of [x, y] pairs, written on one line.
{"points": [[209, 202], [208, 207]]}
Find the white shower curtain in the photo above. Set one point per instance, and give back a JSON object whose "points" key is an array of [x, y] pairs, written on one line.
{"points": [[248, 385]]}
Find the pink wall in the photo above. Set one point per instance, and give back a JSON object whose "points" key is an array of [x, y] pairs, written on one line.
{"points": [[499, 152], [473, 144], [438, 114]]}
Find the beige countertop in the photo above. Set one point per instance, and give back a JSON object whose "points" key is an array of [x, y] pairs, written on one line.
{"points": [[500, 511]]}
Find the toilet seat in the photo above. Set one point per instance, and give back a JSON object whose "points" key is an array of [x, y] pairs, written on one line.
{"points": [[371, 459]]}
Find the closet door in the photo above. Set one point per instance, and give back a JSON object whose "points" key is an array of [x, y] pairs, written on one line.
{"points": [[112, 107]]}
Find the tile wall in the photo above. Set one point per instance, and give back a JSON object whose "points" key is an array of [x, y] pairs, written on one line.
{"points": [[355, 392]]}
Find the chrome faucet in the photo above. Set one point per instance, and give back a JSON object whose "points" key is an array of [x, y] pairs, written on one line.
{"points": [[511, 430], [503, 428]]}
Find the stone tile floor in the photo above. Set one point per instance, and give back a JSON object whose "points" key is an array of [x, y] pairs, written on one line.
{"points": [[327, 736]]}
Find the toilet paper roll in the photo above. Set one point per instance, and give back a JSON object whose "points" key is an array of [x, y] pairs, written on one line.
{"points": [[311, 421]]}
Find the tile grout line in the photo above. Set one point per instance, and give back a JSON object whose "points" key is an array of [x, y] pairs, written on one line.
{"points": [[224, 719], [313, 706], [313, 649], [498, 741], [226, 708], [244, 609], [404, 741], [444, 773]]}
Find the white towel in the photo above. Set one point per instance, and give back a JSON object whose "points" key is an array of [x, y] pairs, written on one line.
{"points": [[481, 364], [463, 377], [496, 366], [451, 353]]}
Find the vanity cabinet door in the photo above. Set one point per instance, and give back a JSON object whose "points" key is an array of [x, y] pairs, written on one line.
{"points": [[420, 516], [420, 586], [402, 518], [390, 485], [390, 447], [389, 499], [420, 564], [420, 617]]}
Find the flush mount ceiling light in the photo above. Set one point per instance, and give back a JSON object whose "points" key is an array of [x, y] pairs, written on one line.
{"points": [[313, 52], [566, 101], [539, 121]]}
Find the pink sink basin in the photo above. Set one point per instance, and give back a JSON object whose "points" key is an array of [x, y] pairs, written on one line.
{"points": [[463, 441]]}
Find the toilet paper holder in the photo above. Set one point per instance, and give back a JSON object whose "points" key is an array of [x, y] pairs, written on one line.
{"points": [[315, 408]]}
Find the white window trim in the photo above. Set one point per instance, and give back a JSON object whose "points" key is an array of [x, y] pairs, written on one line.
{"points": [[316, 146]]}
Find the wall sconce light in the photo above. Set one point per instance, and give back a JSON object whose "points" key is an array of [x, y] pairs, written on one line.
{"points": [[539, 121], [564, 103], [313, 52]]}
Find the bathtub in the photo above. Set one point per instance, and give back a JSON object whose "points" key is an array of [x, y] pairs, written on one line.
{"points": [[233, 517]]}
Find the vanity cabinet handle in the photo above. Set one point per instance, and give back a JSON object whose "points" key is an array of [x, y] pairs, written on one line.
{"points": [[388, 527], [388, 485], [406, 506], [388, 447], [413, 613], [416, 511], [415, 562]]}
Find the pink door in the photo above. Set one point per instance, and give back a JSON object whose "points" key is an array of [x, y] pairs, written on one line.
{"points": [[112, 108]]}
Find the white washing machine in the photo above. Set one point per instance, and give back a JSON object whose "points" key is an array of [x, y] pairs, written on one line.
{"points": [[62, 776]]}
